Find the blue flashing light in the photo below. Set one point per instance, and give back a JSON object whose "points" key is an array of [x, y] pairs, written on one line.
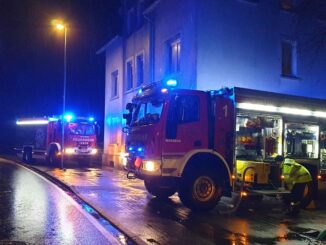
{"points": [[140, 91], [130, 148], [68, 117], [164, 90], [171, 83], [53, 119], [91, 119], [140, 149]]}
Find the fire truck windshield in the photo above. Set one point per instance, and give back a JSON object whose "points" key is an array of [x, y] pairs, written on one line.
{"points": [[81, 129], [147, 112]]}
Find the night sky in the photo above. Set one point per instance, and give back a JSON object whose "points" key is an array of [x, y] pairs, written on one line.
{"points": [[31, 58]]}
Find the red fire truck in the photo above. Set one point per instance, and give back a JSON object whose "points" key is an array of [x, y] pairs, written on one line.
{"points": [[204, 145], [41, 138]]}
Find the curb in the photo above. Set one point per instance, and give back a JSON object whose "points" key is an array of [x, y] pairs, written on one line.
{"points": [[131, 237]]}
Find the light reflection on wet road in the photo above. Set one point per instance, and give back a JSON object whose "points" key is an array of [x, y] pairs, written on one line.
{"points": [[127, 203], [34, 211]]}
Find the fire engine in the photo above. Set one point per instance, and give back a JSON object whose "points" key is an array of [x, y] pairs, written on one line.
{"points": [[41, 138], [209, 144]]}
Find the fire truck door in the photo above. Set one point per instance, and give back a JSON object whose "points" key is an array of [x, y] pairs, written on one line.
{"points": [[186, 127]]}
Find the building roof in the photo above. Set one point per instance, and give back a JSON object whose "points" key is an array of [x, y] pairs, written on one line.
{"points": [[108, 44]]}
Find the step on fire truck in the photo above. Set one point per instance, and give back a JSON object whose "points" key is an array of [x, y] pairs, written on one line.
{"points": [[205, 145], [41, 138]]}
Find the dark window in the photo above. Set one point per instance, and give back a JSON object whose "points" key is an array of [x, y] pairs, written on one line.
{"points": [[114, 84], [288, 58], [129, 75], [174, 52], [140, 69], [187, 109]]}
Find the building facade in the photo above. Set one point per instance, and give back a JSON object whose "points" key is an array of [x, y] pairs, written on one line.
{"points": [[272, 45]]}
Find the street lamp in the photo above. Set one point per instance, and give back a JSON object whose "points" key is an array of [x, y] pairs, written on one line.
{"points": [[61, 26]]}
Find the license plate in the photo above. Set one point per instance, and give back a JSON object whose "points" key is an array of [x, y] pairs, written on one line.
{"points": [[83, 150]]}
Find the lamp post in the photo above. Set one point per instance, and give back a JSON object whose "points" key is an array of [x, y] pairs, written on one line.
{"points": [[59, 25]]}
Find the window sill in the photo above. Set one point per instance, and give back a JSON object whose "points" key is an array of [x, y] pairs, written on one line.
{"points": [[290, 77], [114, 98], [129, 91], [139, 86]]}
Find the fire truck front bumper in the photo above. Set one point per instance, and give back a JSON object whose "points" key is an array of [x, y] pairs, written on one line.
{"points": [[80, 153], [144, 168]]}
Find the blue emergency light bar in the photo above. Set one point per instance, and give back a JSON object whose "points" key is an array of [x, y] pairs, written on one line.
{"points": [[171, 83], [68, 117]]}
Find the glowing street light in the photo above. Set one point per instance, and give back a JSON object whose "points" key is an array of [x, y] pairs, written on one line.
{"points": [[60, 25]]}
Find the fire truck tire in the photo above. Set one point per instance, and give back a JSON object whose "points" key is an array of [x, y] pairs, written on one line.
{"points": [[160, 192], [27, 156], [200, 191], [52, 158]]}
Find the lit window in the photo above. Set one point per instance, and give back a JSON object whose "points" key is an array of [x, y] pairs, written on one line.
{"points": [[114, 84], [129, 75], [289, 56], [174, 50], [140, 69]]}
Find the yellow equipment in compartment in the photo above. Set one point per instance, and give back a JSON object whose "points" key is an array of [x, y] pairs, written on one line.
{"points": [[262, 170]]}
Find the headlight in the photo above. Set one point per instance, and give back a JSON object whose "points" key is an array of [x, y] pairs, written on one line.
{"points": [[69, 150], [151, 166], [124, 157], [94, 151]]}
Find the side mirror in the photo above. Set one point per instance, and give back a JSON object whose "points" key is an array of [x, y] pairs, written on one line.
{"points": [[59, 127], [97, 129], [129, 106], [127, 117]]}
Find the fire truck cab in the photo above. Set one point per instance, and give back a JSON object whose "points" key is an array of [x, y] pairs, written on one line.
{"points": [[41, 138], [205, 144]]}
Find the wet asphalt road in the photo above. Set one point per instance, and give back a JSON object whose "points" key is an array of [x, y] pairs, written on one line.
{"points": [[34, 211], [126, 202]]}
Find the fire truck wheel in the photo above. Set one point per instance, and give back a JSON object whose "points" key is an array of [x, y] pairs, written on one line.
{"points": [[160, 192], [200, 191], [27, 156], [52, 158]]}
